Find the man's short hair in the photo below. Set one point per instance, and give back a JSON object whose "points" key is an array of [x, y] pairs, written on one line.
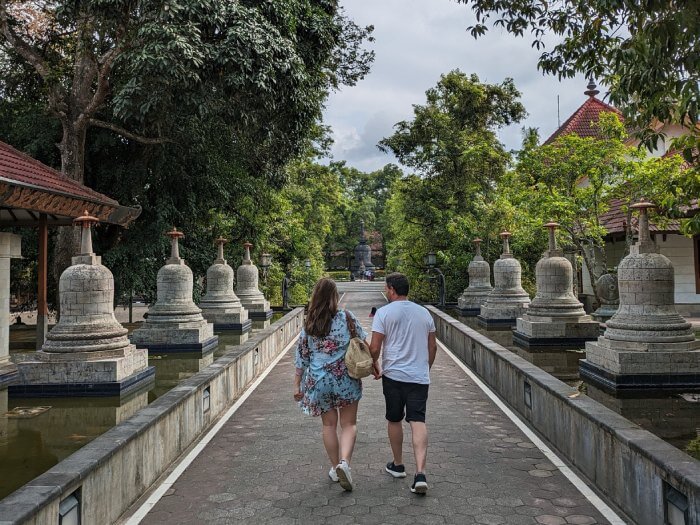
{"points": [[399, 282]]}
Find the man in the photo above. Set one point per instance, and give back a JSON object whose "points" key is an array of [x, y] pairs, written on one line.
{"points": [[406, 332]]}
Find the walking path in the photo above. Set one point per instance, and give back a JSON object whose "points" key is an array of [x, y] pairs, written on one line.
{"points": [[267, 463]]}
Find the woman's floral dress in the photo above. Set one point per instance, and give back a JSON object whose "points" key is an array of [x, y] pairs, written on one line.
{"points": [[325, 383]]}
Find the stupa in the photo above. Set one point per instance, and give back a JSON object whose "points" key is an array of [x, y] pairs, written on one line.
{"points": [[220, 305], [647, 345], [362, 259], [87, 353], [507, 301], [174, 322], [609, 297], [474, 296], [555, 316], [247, 289], [10, 248]]}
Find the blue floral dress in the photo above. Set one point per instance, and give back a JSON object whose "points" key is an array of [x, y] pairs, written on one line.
{"points": [[325, 383]]}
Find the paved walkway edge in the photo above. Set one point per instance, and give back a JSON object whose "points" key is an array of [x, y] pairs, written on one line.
{"points": [[158, 493], [591, 496]]}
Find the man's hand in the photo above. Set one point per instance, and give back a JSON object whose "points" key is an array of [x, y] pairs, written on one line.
{"points": [[376, 370]]}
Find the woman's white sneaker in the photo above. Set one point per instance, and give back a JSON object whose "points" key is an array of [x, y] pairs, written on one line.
{"points": [[344, 476], [333, 475]]}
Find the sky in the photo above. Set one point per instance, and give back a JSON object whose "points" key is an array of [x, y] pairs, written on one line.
{"points": [[416, 42]]}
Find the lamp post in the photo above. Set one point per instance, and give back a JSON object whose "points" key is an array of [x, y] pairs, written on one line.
{"points": [[307, 265], [265, 262], [430, 260]]}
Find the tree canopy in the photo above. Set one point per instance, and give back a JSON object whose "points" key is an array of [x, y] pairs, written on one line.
{"points": [[645, 52]]}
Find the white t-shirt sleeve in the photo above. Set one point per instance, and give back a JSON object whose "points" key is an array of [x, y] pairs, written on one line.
{"points": [[431, 326], [378, 322]]}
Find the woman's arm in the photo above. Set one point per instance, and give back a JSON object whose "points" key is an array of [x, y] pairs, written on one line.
{"points": [[302, 358]]}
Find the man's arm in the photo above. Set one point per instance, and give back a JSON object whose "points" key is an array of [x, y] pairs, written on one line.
{"points": [[432, 348], [375, 346]]}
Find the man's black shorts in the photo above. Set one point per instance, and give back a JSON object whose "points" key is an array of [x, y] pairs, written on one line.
{"points": [[399, 395]]}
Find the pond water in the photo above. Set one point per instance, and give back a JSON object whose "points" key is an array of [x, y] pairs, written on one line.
{"points": [[674, 417], [35, 438]]}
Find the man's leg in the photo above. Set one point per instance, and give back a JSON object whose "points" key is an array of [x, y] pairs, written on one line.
{"points": [[420, 444], [416, 403], [395, 402], [395, 431]]}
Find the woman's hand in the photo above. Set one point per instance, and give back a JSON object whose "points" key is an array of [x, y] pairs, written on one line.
{"points": [[297, 394], [376, 370]]}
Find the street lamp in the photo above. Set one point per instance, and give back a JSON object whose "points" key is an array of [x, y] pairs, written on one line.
{"points": [[309, 284], [265, 262], [430, 260]]}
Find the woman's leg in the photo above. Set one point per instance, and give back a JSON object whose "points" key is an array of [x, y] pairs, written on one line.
{"points": [[348, 430], [330, 435]]}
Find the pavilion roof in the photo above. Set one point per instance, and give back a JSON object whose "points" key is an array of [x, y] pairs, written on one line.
{"points": [[29, 188], [583, 122]]}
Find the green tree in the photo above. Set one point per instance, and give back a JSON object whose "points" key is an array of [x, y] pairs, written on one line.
{"points": [[574, 179], [266, 67], [452, 146], [646, 52]]}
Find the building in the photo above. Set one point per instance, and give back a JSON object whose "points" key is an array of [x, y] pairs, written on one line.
{"points": [[684, 252]]}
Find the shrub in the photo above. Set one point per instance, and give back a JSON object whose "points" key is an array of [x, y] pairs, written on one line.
{"points": [[339, 275]]}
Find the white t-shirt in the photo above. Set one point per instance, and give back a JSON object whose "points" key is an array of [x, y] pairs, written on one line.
{"points": [[405, 326]]}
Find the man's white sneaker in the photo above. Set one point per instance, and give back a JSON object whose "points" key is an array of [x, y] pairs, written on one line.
{"points": [[344, 476], [333, 475]]}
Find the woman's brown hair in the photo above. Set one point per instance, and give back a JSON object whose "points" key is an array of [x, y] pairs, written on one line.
{"points": [[322, 308]]}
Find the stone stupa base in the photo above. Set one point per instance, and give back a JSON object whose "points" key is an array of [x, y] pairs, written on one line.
{"points": [[258, 309], [604, 313], [500, 317], [632, 366], [8, 373], [531, 331], [470, 305], [163, 337], [82, 374], [228, 320]]}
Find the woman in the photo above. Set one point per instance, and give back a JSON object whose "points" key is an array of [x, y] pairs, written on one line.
{"points": [[322, 384]]}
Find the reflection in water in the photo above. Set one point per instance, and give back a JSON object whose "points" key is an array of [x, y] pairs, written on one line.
{"points": [[561, 363], [672, 417], [35, 444], [171, 369]]}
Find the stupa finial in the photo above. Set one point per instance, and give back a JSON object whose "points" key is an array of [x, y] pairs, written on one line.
{"points": [[246, 255], [591, 91], [505, 235], [220, 242], [644, 237], [85, 221], [477, 247], [175, 235], [552, 238]]}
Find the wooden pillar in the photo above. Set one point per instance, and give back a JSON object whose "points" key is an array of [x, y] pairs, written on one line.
{"points": [[42, 319]]}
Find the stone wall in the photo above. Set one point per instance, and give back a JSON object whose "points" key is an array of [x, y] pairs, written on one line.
{"points": [[627, 464], [113, 471]]}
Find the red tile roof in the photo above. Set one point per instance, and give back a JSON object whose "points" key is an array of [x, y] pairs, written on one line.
{"points": [[22, 169], [584, 119], [615, 219]]}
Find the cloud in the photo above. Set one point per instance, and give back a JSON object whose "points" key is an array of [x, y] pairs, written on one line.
{"points": [[416, 42]]}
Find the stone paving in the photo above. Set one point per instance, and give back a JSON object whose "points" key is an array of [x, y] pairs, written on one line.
{"points": [[268, 465]]}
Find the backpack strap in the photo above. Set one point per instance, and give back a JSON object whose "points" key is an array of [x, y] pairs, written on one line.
{"points": [[351, 326]]}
